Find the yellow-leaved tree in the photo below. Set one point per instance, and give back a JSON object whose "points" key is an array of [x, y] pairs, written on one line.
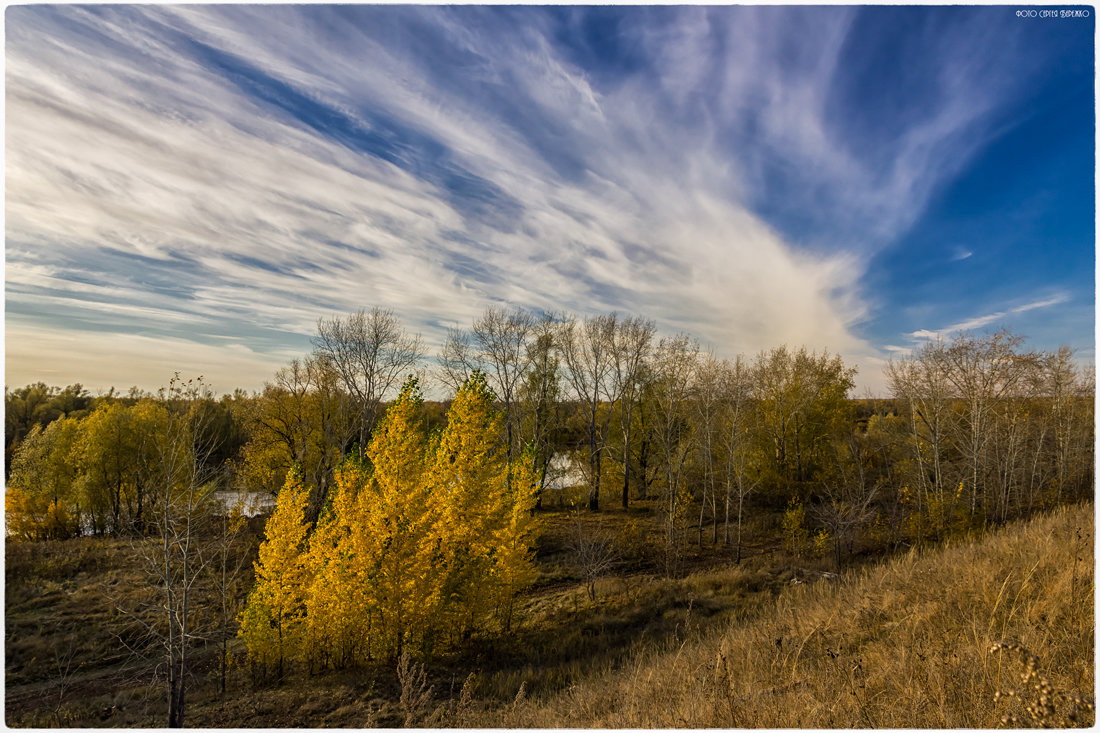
{"points": [[398, 536], [488, 525], [272, 623], [338, 605], [42, 500], [422, 548], [514, 567], [373, 556]]}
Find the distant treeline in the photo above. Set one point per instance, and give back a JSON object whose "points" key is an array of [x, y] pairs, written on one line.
{"points": [[977, 429]]}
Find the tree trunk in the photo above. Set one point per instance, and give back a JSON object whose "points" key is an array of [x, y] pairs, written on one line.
{"points": [[626, 469], [594, 465], [740, 503]]}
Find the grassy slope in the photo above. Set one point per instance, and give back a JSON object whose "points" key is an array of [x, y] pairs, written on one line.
{"points": [[904, 644]]}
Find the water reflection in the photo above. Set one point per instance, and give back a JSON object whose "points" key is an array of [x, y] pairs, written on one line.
{"points": [[252, 502]]}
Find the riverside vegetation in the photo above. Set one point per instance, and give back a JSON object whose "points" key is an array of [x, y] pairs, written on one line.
{"points": [[596, 527]]}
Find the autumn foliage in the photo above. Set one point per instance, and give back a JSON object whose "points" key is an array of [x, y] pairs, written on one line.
{"points": [[417, 548]]}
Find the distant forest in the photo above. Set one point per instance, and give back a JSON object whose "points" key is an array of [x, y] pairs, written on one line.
{"points": [[978, 428]]}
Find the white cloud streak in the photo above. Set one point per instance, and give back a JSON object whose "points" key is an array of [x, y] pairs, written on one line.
{"points": [[977, 322]]}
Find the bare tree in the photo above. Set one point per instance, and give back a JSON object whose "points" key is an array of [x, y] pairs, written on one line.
{"points": [[182, 481], [734, 439], [1071, 392], [849, 493], [586, 351], [983, 372], [675, 381], [501, 338], [372, 354], [456, 359], [708, 409], [540, 397], [594, 553], [920, 383], [630, 350]]}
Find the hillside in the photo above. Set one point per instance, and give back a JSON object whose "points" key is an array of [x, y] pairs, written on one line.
{"points": [[907, 644], [774, 642]]}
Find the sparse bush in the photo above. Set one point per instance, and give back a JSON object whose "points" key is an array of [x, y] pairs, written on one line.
{"points": [[595, 552], [632, 542], [796, 537], [822, 543]]}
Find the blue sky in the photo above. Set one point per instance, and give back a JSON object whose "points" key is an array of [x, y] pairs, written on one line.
{"points": [[190, 188]]}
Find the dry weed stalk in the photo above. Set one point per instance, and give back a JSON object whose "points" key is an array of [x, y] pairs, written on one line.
{"points": [[1079, 548], [63, 663], [456, 713], [1043, 704], [728, 704], [415, 693], [513, 714], [521, 696], [466, 696]]}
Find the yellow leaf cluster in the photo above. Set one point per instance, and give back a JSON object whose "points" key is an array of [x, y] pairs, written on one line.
{"points": [[417, 550], [31, 517]]}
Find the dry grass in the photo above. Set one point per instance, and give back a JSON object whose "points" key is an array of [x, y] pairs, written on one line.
{"points": [[67, 660], [903, 645], [764, 644], [77, 648]]}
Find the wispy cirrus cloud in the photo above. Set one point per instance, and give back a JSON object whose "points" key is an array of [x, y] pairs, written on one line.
{"points": [[203, 174], [977, 322]]}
